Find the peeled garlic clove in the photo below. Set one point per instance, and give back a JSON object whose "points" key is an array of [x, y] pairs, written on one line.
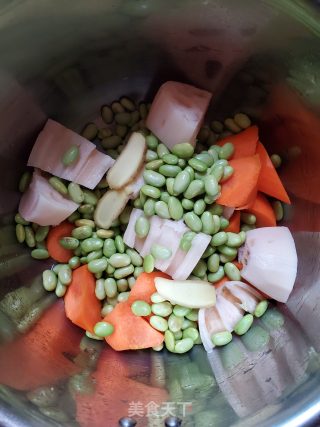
{"points": [[188, 293], [128, 165], [110, 207], [270, 261]]}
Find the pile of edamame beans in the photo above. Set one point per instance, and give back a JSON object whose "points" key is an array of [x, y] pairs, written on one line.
{"points": [[183, 184]]}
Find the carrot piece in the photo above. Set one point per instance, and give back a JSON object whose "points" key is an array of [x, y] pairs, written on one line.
{"points": [[241, 188], [130, 332], [245, 142], [145, 287], [115, 390], [269, 181], [81, 304], [218, 284], [234, 223], [56, 251], [263, 211], [238, 264], [44, 355]]}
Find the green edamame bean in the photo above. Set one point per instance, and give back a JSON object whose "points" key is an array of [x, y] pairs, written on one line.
{"points": [[218, 275], [100, 290], [177, 335], [187, 204], [142, 227], [83, 260], [227, 173], [276, 160], [165, 197], [221, 338], [110, 287], [49, 280], [219, 238], [226, 250], [41, 233], [188, 324], [98, 265], [162, 150], [122, 285], [232, 271], [205, 157], [154, 178], [151, 155], [152, 142], [192, 315], [216, 209], [226, 151], [29, 237], [190, 172], [245, 227], [65, 274], [183, 346], [261, 308], [94, 255], [122, 272], [208, 252], [150, 191], [91, 244], [194, 189], [20, 220], [217, 170], [141, 308], [40, 254], [186, 241], [169, 171], [200, 269], [183, 150], [154, 164], [234, 240], [107, 114], [158, 323], [192, 333], [58, 185], [109, 248], [217, 126], [111, 142], [143, 198], [175, 208], [208, 226], [162, 309], [149, 207], [104, 133], [60, 289], [155, 298], [89, 197], [248, 218], [180, 311], [119, 260], [242, 120], [223, 223], [170, 159], [148, 263], [197, 165], [127, 104], [69, 243], [104, 234], [211, 185], [137, 272], [169, 340], [193, 221], [103, 329], [169, 186], [123, 118], [121, 130], [86, 209], [244, 324], [131, 282], [74, 216], [181, 182], [175, 323], [135, 257], [278, 210], [74, 262], [25, 181], [70, 156], [20, 233], [162, 210], [160, 252], [199, 207], [213, 263], [106, 309], [82, 232]]}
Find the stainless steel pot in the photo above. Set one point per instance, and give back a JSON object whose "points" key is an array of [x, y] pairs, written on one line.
{"points": [[64, 60]]}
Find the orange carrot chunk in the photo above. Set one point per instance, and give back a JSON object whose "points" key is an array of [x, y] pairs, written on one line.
{"points": [[56, 251], [234, 223], [131, 332], [245, 142], [269, 181], [241, 188], [263, 211], [81, 304], [145, 287]]}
